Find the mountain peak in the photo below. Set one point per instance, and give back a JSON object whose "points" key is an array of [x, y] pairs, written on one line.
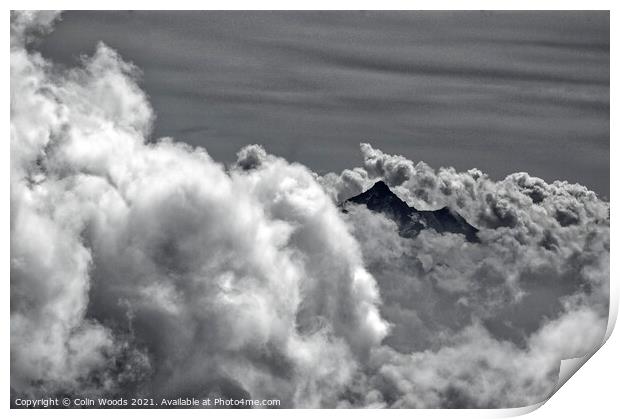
{"points": [[380, 186], [380, 198], [411, 221]]}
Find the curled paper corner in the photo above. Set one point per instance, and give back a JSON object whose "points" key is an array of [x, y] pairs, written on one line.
{"points": [[568, 367]]}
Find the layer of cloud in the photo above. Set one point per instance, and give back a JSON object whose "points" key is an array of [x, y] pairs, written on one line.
{"points": [[459, 310], [146, 268]]}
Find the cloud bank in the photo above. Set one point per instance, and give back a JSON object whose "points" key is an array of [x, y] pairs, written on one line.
{"points": [[143, 267], [481, 324]]}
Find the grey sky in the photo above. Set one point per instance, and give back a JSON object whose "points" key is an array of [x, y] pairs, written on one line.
{"points": [[504, 92]]}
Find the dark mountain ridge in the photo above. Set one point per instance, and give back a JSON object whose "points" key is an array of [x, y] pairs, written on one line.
{"points": [[410, 220]]}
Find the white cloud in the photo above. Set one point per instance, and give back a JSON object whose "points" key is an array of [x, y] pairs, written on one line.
{"points": [[221, 280]]}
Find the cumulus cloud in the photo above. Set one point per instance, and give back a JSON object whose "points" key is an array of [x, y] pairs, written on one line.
{"points": [[27, 25], [153, 257], [538, 277], [144, 267], [476, 370], [251, 156]]}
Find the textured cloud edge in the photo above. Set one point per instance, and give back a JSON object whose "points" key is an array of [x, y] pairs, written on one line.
{"points": [[145, 268]]}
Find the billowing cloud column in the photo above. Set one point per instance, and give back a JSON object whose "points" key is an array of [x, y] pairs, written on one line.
{"points": [[146, 267]]}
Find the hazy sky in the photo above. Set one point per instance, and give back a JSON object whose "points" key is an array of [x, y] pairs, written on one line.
{"points": [[503, 92]]}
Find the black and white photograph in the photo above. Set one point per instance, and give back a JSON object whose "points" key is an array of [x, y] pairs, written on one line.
{"points": [[293, 209]]}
